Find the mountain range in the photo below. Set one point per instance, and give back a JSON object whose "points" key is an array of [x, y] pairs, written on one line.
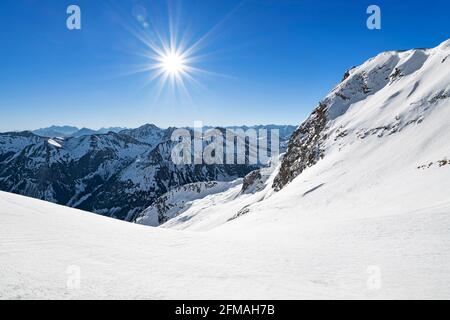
{"points": [[70, 131], [113, 174]]}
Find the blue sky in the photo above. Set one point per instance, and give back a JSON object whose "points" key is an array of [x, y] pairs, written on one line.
{"points": [[270, 61]]}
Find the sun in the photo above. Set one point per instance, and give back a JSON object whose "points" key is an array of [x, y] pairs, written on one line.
{"points": [[173, 63], [174, 57], [173, 66]]}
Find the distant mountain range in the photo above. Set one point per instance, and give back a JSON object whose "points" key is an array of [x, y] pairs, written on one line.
{"points": [[70, 131], [116, 174]]}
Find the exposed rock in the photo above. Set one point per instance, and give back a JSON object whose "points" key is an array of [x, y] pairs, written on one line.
{"points": [[304, 148], [251, 180]]}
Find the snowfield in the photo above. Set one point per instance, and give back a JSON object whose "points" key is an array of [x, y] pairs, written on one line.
{"points": [[370, 219], [285, 258]]}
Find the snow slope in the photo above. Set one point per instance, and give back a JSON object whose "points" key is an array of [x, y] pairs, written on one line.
{"points": [[179, 199], [279, 259], [219, 208]]}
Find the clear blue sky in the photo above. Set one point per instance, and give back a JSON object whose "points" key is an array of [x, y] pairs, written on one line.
{"points": [[280, 58]]}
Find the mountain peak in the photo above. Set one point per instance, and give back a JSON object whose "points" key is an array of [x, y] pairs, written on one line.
{"points": [[148, 126], [383, 96], [445, 46]]}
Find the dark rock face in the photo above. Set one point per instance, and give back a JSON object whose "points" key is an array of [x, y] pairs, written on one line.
{"points": [[250, 180], [304, 148], [347, 74]]}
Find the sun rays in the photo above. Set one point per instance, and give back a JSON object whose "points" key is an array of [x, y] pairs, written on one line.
{"points": [[172, 61]]}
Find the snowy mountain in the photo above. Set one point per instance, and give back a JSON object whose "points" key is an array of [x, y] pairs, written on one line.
{"points": [[149, 134], [113, 174], [388, 94], [56, 131], [69, 131], [376, 145]]}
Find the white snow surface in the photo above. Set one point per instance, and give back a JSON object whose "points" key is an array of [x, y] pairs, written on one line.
{"points": [[378, 200], [54, 143], [179, 199]]}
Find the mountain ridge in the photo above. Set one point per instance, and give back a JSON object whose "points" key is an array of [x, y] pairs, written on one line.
{"points": [[113, 174]]}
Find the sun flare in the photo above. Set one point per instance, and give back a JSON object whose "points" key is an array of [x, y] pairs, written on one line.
{"points": [[173, 63], [173, 66], [173, 57]]}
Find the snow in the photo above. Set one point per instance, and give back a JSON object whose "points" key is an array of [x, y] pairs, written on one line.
{"points": [[11, 142], [209, 212], [372, 203], [180, 199], [280, 258], [54, 143], [217, 209]]}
